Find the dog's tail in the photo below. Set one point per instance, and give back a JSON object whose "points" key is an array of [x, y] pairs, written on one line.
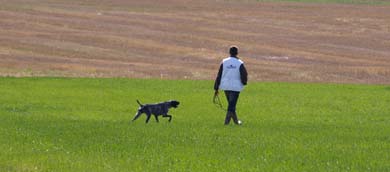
{"points": [[139, 103]]}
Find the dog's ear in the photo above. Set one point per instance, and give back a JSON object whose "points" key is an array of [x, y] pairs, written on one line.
{"points": [[174, 103]]}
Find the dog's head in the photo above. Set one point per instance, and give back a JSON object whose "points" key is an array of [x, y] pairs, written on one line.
{"points": [[174, 103]]}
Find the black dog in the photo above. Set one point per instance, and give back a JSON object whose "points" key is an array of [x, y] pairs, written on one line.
{"points": [[156, 110]]}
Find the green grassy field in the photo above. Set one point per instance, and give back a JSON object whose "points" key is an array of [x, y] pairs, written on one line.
{"points": [[60, 124]]}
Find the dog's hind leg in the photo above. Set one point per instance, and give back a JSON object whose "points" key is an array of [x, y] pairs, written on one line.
{"points": [[155, 116], [169, 116], [147, 119], [137, 115]]}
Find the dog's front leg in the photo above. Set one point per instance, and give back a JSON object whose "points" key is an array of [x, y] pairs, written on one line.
{"points": [[170, 117]]}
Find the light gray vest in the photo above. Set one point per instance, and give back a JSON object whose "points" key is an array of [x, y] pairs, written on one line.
{"points": [[231, 78]]}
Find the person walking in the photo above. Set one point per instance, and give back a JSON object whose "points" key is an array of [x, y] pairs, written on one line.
{"points": [[232, 77]]}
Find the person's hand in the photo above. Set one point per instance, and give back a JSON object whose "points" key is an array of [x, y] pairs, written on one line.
{"points": [[216, 93]]}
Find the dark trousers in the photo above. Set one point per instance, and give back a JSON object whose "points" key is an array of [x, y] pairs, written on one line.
{"points": [[232, 98]]}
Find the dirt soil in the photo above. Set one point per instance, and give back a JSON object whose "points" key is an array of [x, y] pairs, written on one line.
{"points": [[183, 39]]}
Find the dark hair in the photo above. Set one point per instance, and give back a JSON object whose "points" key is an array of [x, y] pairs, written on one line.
{"points": [[233, 51]]}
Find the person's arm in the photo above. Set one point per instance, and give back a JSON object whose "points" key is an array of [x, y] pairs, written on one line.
{"points": [[243, 74], [218, 79]]}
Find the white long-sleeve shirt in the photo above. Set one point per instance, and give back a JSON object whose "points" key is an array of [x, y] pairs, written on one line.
{"points": [[232, 75]]}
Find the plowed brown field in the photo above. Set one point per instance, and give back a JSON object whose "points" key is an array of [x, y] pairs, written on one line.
{"points": [[182, 39]]}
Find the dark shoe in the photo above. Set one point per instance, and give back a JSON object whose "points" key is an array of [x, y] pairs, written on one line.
{"points": [[235, 119]]}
